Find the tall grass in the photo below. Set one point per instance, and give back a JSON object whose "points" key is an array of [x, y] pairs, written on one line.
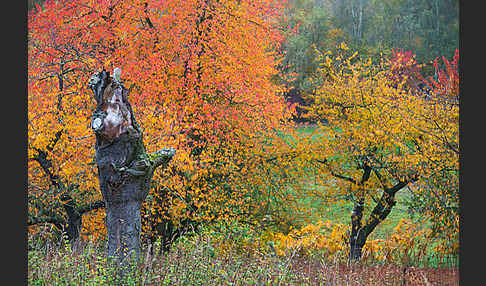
{"points": [[197, 261]]}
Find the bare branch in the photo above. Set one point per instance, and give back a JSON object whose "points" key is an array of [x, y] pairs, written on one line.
{"points": [[325, 161], [56, 220]]}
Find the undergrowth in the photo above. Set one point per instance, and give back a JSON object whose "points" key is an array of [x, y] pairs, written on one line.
{"points": [[200, 260]]}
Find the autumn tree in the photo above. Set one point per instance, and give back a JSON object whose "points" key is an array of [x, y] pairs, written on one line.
{"points": [[382, 138], [61, 177], [226, 73], [440, 202], [200, 79]]}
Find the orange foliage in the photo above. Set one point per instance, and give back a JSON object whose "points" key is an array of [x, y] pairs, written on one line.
{"points": [[200, 79]]}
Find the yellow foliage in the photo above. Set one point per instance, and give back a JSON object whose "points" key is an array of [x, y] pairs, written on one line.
{"points": [[408, 240], [323, 236], [372, 119], [93, 227]]}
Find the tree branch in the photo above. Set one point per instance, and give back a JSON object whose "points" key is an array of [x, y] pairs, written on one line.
{"points": [[92, 206], [325, 161], [57, 221], [444, 138], [366, 174], [401, 184], [380, 178], [162, 157], [46, 164], [343, 177], [384, 206]]}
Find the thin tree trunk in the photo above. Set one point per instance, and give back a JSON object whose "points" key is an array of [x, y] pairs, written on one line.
{"points": [[359, 232], [360, 25], [357, 238], [74, 222]]}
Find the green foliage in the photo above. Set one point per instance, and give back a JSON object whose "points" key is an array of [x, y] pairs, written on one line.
{"points": [[307, 27], [429, 28]]}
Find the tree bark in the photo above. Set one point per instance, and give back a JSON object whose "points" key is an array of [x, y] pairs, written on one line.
{"points": [[359, 232], [74, 221], [357, 238], [125, 170], [356, 242]]}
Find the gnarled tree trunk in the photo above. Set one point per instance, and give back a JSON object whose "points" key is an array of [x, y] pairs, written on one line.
{"points": [[383, 207], [125, 170]]}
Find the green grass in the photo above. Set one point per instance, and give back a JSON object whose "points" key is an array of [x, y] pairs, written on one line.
{"points": [[194, 261], [340, 212]]}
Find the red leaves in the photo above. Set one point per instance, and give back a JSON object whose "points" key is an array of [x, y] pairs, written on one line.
{"points": [[445, 85], [404, 68]]}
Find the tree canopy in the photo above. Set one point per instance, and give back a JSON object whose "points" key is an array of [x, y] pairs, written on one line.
{"points": [[212, 78]]}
